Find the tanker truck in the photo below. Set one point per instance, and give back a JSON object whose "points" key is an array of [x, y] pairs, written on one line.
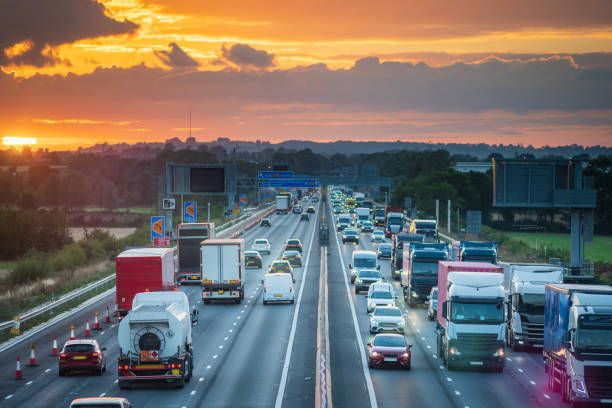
{"points": [[155, 340]]}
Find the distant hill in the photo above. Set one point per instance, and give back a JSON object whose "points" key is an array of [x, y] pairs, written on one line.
{"points": [[346, 147]]}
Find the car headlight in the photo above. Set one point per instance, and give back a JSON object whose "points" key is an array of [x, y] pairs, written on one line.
{"points": [[359, 281], [401, 323], [405, 355], [372, 304], [375, 354], [499, 353], [414, 294], [454, 351]]}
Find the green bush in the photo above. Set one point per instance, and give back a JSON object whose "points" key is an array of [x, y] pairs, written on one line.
{"points": [[93, 248], [70, 257], [30, 268]]}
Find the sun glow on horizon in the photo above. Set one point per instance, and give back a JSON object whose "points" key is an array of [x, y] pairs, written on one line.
{"points": [[18, 141]]}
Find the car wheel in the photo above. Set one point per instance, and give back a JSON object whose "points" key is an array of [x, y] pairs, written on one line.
{"points": [[99, 370], [407, 366], [61, 372], [265, 302], [292, 301], [104, 367], [356, 290], [372, 366]]}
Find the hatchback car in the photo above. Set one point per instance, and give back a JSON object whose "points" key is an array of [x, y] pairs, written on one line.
{"points": [[384, 251], [281, 266], [432, 303], [293, 257], [366, 277], [387, 319], [252, 259], [82, 354], [379, 294], [297, 209], [367, 226], [310, 210], [389, 349], [265, 222], [262, 246], [304, 217], [293, 244], [102, 402], [377, 236], [350, 235], [337, 209]]}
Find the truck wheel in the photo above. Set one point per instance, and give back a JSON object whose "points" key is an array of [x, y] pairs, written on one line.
{"points": [[265, 302], [565, 389], [451, 365], [187, 376], [206, 301], [124, 385], [180, 383], [238, 301]]}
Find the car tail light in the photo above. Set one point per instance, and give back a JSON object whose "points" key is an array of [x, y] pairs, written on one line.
{"points": [[63, 355], [265, 289], [95, 354]]}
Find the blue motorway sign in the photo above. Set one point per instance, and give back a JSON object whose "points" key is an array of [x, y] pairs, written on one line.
{"points": [[190, 211], [262, 175], [290, 183], [157, 227]]}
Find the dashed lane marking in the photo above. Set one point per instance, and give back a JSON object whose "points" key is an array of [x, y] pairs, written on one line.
{"points": [[449, 379], [521, 370], [47, 370], [29, 382], [193, 392], [423, 338], [532, 382], [8, 397], [208, 367], [101, 333], [215, 356], [226, 338], [441, 367], [103, 394], [201, 379], [457, 392], [508, 358], [220, 347], [230, 330], [428, 346], [116, 381], [546, 396]]}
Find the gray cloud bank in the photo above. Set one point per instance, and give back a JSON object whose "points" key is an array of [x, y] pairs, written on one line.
{"points": [[243, 55], [176, 57]]}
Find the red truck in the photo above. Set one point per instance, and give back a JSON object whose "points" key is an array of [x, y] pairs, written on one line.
{"points": [[141, 270]]}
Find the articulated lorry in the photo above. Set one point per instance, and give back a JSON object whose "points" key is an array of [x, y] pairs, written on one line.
{"points": [[379, 216], [141, 269], [222, 270], [420, 270], [476, 251], [189, 236], [155, 340], [363, 215], [471, 329], [428, 228], [284, 203], [525, 284], [394, 221], [399, 241], [578, 342]]}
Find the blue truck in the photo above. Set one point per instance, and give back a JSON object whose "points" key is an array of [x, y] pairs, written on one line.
{"points": [[420, 270], [578, 342], [476, 251]]}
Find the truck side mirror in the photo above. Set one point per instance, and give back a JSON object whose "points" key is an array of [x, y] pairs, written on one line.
{"points": [[445, 310], [378, 267], [350, 266]]}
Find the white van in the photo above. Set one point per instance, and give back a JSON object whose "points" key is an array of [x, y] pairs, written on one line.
{"points": [[278, 287], [362, 260]]}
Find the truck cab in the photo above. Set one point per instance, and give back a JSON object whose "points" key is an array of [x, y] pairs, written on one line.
{"points": [[422, 272], [427, 228], [395, 223], [397, 251], [475, 251]]}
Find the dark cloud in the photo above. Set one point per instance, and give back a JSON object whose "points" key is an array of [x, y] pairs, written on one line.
{"points": [[43, 24], [176, 57], [244, 55]]}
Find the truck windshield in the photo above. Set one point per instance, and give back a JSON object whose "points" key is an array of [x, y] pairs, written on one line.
{"points": [[475, 313], [425, 268], [595, 332], [365, 263], [395, 221], [531, 303]]}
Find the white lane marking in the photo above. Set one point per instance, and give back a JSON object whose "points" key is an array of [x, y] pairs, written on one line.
{"points": [[242, 311], [226, 338], [546, 396], [29, 382], [248, 301], [296, 312], [239, 316], [441, 367], [113, 325], [428, 346], [233, 324], [208, 367], [521, 370], [508, 358], [532, 382], [220, 347], [193, 392], [423, 338], [215, 356], [116, 381], [8, 397], [449, 379], [103, 394], [364, 361], [230, 330], [434, 356], [47, 370], [245, 306], [101, 333], [201, 379], [457, 392], [418, 330]]}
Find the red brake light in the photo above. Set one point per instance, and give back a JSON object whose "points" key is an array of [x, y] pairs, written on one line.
{"points": [[95, 354], [63, 355]]}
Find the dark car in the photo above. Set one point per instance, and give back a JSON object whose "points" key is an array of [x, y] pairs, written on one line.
{"points": [[293, 244], [265, 222], [280, 266], [365, 277], [337, 209], [389, 349], [82, 354], [350, 235], [252, 259], [383, 251], [294, 258], [304, 217], [297, 209], [367, 226], [310, 210]]}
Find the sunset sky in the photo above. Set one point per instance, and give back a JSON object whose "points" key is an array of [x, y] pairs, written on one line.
{"points": [[79, 72]]}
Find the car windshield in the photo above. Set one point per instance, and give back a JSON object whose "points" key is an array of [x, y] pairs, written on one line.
{"points": [[594, 332], [390, 341], [79, 348], [384, 311], [381, 295], [364, 262], [425, 268], [395, 221], [385, 247], [251, 254], [369, 274], [291, 253], [425, 225], [261, 242], [473, 313], [531, 303], [350, 232], [293, 242]]}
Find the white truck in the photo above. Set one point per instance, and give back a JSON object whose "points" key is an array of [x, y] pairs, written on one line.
{"points": [[363, 215], [525, 283], [283, 203], [155, 340], [471, 329], [222, 263]]}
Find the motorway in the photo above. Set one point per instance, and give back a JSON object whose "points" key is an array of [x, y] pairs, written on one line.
{"points": [[250, 355]]}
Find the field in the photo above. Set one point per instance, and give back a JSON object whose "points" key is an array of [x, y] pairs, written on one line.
{"points": [[135, 210], [598, 250], [79, 233]]}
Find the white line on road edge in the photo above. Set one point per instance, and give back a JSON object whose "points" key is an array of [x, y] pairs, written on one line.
{"points": [[364, 361], [283, 381]]}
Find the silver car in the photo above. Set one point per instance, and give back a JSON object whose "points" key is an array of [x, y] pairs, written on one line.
{"points": [[380, 294], [387, 319], [432, 303]]}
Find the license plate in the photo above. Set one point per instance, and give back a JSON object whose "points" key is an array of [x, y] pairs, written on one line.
{"points": [[79, 358], [220, 291], [390, 359], [194, 277], [278, 295], [148, 366], [176, 372], [476, 363]]}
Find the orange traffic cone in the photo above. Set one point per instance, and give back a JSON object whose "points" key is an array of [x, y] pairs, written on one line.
{"points": [[96, 323], [107, 318], [32, 357], [87, 330], [54, 348], [72, 336], [18, 373]]}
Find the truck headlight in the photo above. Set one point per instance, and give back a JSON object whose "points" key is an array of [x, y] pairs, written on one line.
{"points": [[499, 353], [414, 294], [579, 386], [359, 281], [401, 323], [453, 351], [372, 305]]}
